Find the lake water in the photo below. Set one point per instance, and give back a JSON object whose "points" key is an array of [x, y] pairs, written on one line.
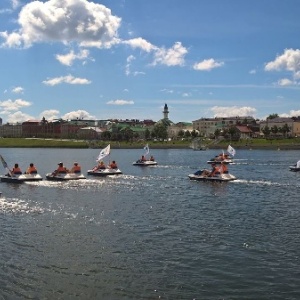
{"points": [[152, 233]]}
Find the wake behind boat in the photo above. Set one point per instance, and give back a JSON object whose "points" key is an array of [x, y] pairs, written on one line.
{"points": [[20, 178], [143, 161]]}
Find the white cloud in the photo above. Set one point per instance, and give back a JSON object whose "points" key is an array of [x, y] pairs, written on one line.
{"points": [[66, 79], [69, 58], [167, 91], [232, 111], [141, 44], [11, 105], [129, 59], [18, 117], [18, 90], [207, 65], [252, 72], [120, 102], [285, 82], [292, 113], [87, 23], [171, 57], [80, 114], [15, 4], [289, 60], [49, 114]]}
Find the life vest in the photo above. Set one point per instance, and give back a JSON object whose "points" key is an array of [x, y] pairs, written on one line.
{"points": [[17, 171], [215, 171], [113, 166], [77, 169], [61, 170], [224, 169], [32, 170]]}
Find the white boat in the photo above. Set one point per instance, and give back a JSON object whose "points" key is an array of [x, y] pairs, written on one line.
{"points": [[65, 176], [104, 172], [294, 168], [20, 178], [144, 162], [107, 171], [226, 158], [17, 178], [216, 178], [216, 161]]}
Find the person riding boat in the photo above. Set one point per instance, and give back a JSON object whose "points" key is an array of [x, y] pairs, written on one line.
{"points": [[100, 166], [223, 168], [215, 170], [152, 158], [76, 168], [31, 169], [60, 169], [16, 170], [113, 165]]}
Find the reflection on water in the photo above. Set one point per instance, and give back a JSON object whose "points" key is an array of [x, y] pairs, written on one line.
{"points": [[152, 233]]}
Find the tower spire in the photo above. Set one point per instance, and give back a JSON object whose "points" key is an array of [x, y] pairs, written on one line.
{"points": [[166, 112]]}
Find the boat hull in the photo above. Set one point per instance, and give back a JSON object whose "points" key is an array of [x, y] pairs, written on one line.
{"points": [[21, 178], [218, 178], [105, 172], [294, 169], [64, 177], [146, 163], [225, 161]]}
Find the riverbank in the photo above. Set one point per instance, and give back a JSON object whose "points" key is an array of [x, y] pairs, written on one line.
{"points": [[282, 144]]}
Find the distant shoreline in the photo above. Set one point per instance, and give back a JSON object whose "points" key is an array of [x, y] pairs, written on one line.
{"points": [[259, 144]]}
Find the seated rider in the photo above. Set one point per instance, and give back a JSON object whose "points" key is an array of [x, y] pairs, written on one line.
{"points": [[16, 170], [143, 158], [223, 168], [100, 166], [60, 169], [76, 168], [113, 165], [214, 171], [152, 158], [31, 169]]}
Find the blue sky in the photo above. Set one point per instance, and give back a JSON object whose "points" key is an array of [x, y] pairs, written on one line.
{"points": [[127, 58]]}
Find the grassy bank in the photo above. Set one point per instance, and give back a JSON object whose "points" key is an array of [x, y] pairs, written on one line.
{"points": [[282, 144]]}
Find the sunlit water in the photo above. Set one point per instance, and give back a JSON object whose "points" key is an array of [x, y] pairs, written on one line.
{"points": [[152, 233]]}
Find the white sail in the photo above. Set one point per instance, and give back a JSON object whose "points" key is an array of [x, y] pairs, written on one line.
{"points": [[146, 148], [104, 152], [231, 150]]}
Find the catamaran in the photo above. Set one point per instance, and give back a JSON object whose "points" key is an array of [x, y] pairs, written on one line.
{"points": [[98, 170], [144, 161]]}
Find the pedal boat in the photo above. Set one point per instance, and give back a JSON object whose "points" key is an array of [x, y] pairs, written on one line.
{"points": [[20, 178], [104, 172], [65, 176], [144, 163], [216, 178]]}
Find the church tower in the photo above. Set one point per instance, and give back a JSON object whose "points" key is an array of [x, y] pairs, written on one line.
{"points": [[166, 112]]}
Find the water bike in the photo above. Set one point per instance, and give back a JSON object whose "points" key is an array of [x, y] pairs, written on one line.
{"points": [[201, 175], [64, 176], [20, 178], [104, 172]]}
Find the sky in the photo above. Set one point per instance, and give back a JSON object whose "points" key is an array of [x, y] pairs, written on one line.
{"points": [[125, 59]]}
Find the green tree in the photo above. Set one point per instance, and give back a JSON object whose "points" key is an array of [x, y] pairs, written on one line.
{"points": [[285, 129], [266, 130], [194, 134], [274, 129], [272, 116], [217, 133], [147, 134], [160, 131]]}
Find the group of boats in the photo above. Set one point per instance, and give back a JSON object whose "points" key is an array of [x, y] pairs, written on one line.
{"points": [[219, 171], [98, 170]]}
